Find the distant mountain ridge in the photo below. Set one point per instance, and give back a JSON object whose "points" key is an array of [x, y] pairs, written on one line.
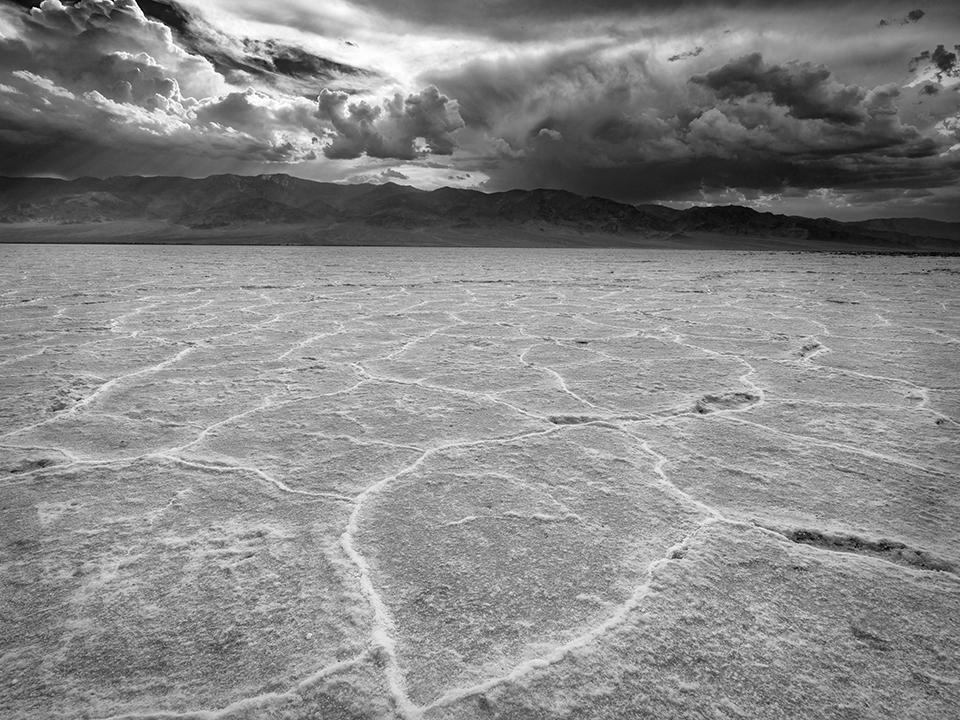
{"points": [[296, 210]]}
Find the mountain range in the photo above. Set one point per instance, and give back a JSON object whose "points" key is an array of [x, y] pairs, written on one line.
{"points": [[280, 209]]}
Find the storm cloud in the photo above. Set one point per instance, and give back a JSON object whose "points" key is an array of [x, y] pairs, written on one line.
{"points": [[626, 130], [100, 84], [806, 90], [735, 100]]}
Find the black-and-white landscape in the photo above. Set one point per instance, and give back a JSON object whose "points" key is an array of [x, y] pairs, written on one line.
{"points": [[451, 361]]}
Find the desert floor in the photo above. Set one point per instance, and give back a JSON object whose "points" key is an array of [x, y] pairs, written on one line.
{"points": [[450, 483]]}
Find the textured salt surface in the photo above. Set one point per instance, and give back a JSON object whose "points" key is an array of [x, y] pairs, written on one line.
{"points": [[375, 483]]}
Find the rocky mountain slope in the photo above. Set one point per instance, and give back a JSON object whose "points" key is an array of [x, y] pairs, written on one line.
{"points": [[192, 209]]}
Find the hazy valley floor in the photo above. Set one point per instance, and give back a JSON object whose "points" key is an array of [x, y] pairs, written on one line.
{"points": [[242, 482]]}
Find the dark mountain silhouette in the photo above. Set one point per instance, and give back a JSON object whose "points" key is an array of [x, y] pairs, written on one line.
{"points": [[284, 209]]}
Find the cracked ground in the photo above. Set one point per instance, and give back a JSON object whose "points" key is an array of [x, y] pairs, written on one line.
{"points": [[367, 483]]}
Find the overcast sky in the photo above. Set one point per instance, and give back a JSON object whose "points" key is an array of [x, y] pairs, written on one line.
{"points": [[847, 109]]}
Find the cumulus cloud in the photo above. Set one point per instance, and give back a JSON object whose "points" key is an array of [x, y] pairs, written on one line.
{"points": [[393, 128], [252, 111], [93, 42], [99, 86], [50, 127]]}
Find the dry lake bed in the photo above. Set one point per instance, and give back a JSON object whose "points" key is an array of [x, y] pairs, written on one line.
{"points": [[352, 483]]}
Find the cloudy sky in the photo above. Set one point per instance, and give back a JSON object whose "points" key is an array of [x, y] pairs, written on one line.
{"points": [[847, 109]]}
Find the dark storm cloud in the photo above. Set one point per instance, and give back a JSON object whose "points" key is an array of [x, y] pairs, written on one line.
{"points": [[911, 17], [516, 96], [942, 61], [625, 129], [696, 177], [275, 63], [805, 89], [687, 54], [390, 130], [296, 62]]}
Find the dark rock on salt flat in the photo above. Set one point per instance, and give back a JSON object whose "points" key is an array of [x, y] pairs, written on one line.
{"points": [[890, 550], [727, 401]]}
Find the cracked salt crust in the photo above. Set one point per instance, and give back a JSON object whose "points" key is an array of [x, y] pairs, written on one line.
{"points": [[477, 484]]}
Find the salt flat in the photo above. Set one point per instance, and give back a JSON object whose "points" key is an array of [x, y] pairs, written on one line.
{"points": [[451, 483]]}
